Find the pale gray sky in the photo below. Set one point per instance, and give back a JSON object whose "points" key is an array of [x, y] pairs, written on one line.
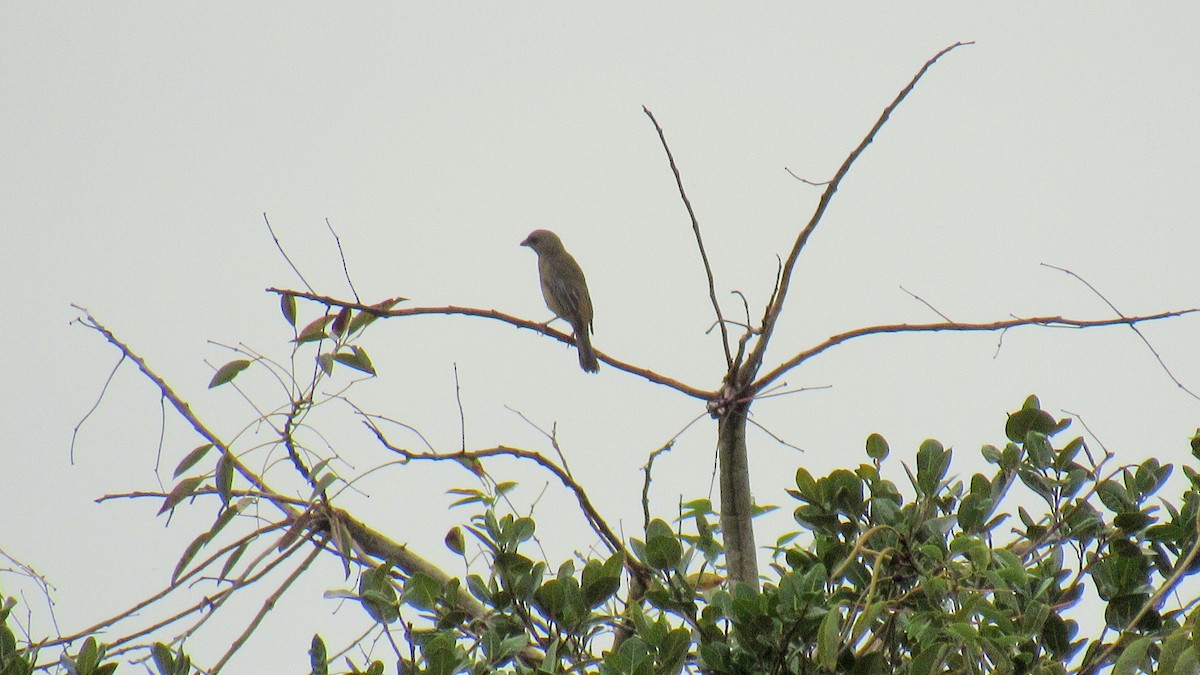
{"points": [[143, 142]]}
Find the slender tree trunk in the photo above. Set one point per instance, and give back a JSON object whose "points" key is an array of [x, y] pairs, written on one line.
{"points": [[741, 560]]}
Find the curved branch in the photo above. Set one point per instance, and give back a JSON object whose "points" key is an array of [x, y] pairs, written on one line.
{"points": [[772, 314], [597, 523], [1048, 321], [687, 203], [535, 326]]}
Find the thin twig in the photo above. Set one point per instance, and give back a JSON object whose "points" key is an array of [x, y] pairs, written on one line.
{"points": [[921, 300], [342, 255], [712, 291], [646, 482], [805, 180], [773, 435], [1132, 327], [282, 252], [103, 390], [462, 417]]}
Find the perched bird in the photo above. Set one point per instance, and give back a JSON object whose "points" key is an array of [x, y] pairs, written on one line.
{"points": [[565, 291]]}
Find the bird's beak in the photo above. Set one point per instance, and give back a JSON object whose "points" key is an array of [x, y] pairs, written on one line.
{"points": [[526, 242]]}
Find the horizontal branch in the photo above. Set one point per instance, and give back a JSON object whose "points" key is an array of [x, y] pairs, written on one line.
{"points": [[1048, 321], [539, 327]]}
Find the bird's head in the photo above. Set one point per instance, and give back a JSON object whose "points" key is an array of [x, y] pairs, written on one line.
{"points": [[543, 241]]}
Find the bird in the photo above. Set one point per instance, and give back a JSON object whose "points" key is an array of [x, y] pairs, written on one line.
{"points": [[565, 291]]}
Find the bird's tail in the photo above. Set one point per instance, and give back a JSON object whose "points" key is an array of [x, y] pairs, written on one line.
{"points": [[587, 355]]}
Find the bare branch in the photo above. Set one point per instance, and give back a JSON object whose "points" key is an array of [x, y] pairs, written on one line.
{"points": [[1048, 321], [712, 291], [542, 328], [760, 349]]}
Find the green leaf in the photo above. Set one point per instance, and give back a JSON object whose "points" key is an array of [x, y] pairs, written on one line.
{"points": [[164, 659], [182, 490], [663, 549], [378, 595], [192, 457], [224, 477], [317, 657], [89, 656], [189, 553], [828, 640], [287, 304], [365, 317], [932, 462], [340, 321], [877, 447], [232, 560], [1114, 496], [1133, 657], [314, 331], [325, 361], [455, 541], [357, 359], [227, 372], [1025, 420]]}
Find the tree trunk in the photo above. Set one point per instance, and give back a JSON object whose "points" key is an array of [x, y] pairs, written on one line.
{"points": [[741, 560]]}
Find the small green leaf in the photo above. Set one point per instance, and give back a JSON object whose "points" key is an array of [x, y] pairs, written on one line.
{"points": [[317, 657], [1028, 419], [357, 359], [828, 640], [340, 322], [287, 304], [1133, 658], [228, 371], [182, 490], [224, 477], [326, 363], [365, 317], [164, 659], [189, 553], [314, 331], [455, 541], [89, 656], [192, 457], [877, 447], [932, 462]]}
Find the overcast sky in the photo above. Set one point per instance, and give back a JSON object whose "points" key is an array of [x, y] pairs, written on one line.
{"points": [[143, 142]]}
